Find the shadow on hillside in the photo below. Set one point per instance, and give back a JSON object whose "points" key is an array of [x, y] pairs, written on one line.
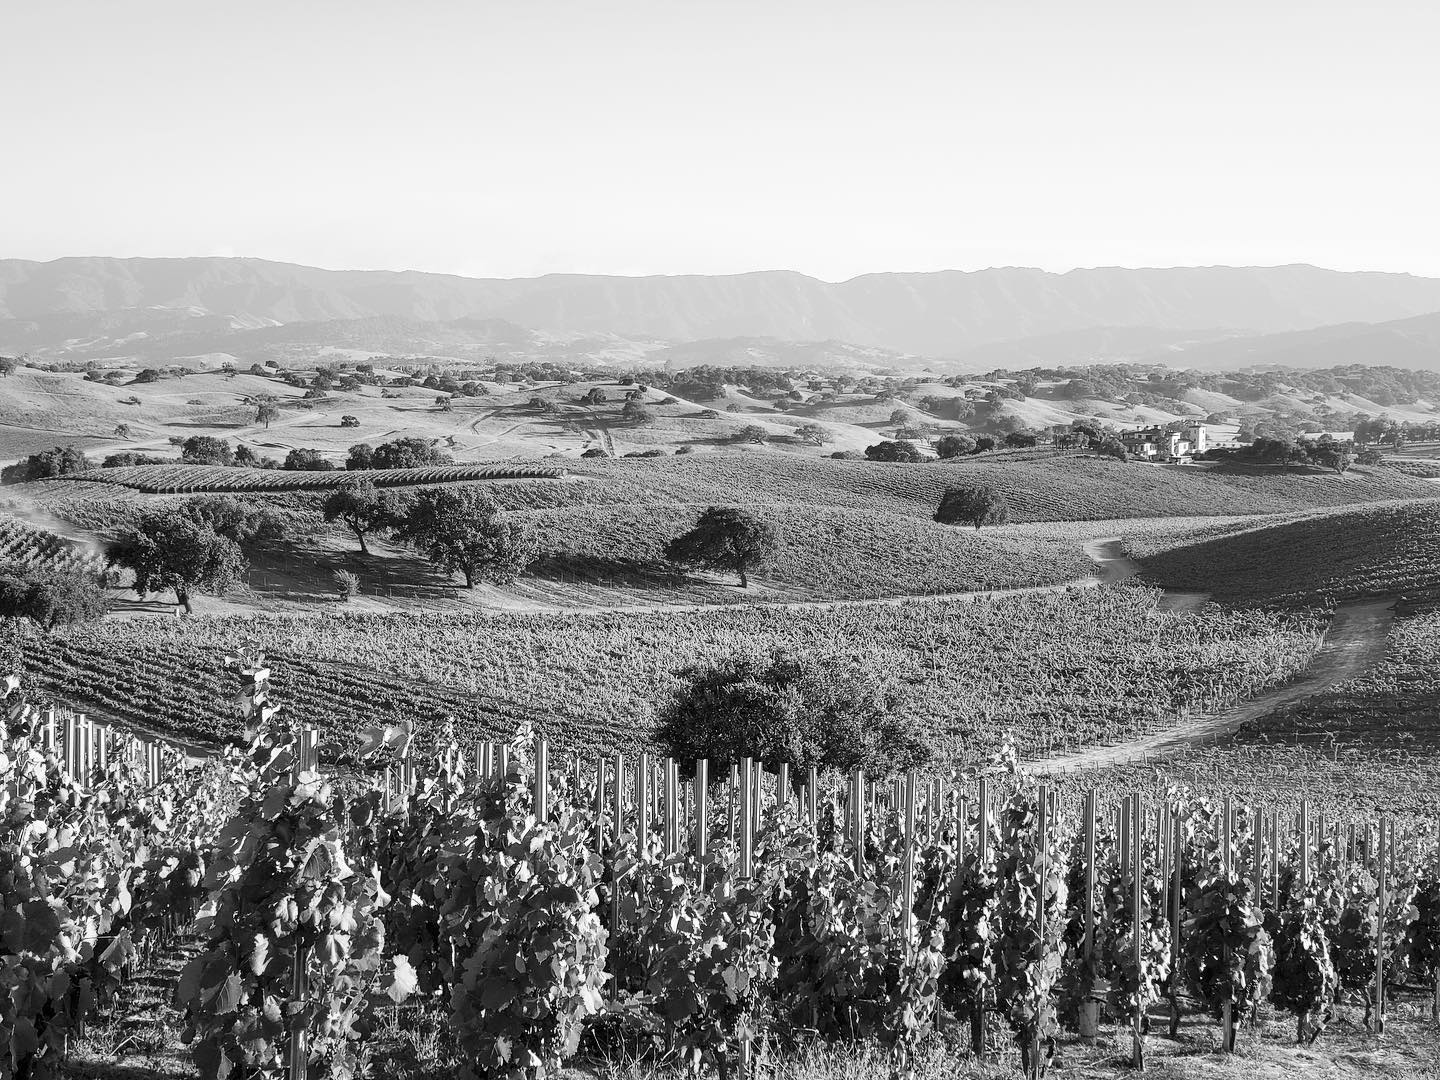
{"points": [[308, 575], [569, 569]]}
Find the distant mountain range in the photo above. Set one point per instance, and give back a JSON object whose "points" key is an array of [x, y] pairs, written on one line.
{"points": [[1201, 316]]}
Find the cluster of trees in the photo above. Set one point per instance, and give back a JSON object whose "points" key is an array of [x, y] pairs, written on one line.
{"points": [[411, 452], [57, 461], [461, 530], [1324, 452], [946, 447], [1386, 431]]}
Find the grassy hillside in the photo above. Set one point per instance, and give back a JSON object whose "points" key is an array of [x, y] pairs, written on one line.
{"points": [[1318, 558]]}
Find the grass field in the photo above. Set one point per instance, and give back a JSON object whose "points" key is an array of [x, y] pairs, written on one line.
{"points": [[1088, 665]]}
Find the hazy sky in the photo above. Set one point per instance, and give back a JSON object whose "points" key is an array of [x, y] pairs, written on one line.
{"points": [[835, 138]]}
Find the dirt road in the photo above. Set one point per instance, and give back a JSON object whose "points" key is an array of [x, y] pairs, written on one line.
{"points": [[1111, 566], [1353, 644]]}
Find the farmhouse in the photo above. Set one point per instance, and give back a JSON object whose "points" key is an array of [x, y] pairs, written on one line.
{"points": [[1166, 443]]}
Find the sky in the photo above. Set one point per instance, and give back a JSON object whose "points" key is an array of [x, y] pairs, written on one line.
{"points": [[689, 136]]}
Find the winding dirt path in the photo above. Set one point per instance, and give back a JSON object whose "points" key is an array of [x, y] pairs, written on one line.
{"points": [[1354, 642], [1111, 566]]}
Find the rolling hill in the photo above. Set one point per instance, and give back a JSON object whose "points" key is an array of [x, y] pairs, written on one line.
{"points": [[1407, 343]]}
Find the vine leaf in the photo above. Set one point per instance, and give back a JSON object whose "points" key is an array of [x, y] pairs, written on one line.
{"points": [[404, 982]]}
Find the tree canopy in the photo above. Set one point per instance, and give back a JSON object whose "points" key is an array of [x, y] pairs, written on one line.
{"points": [[363, 509], [784, 709], [973, 506], [206, 450], [725, 538], [243, 521], [462, 530], [894, 450], [178, 553], [953, 446]]}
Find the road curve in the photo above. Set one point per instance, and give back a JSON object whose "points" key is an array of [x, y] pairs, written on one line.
{"points": [[1353, 643]]}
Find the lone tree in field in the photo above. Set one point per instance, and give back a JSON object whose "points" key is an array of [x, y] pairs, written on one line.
{"points": [[363, 509], [973, 506], [122, 431], [752, 433], [265, 412], [463, 531], [725, 538], [813, 434], [8, 366], [784, 709], [178, 553], [50, 598], [637, 413]]}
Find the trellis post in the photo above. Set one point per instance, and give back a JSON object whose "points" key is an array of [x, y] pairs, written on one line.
{"points": [[541, 802], [1227, 1009], [1089, 1008], [1137, 903], [303, 760], [1384, 881], [747, 819]]}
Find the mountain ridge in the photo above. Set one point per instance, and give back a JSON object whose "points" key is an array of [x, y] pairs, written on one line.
{"points": [[929, 313]]}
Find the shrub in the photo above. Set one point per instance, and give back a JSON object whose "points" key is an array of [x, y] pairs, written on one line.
{"points": [[50, 598], [347, 585]]}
